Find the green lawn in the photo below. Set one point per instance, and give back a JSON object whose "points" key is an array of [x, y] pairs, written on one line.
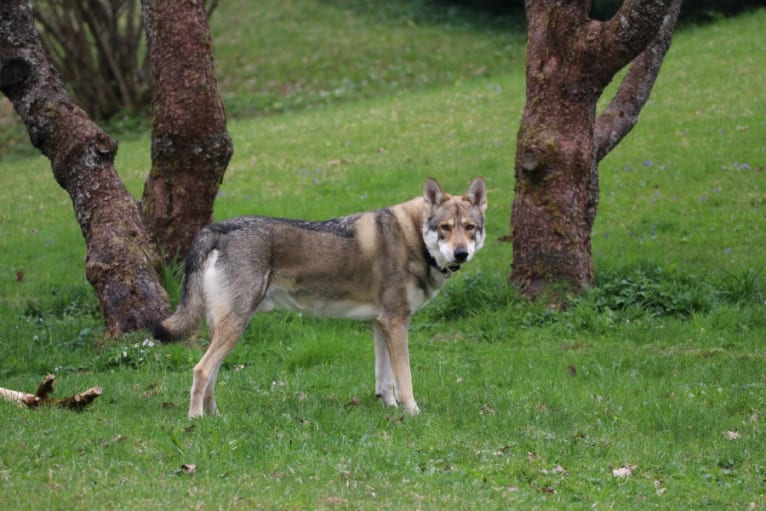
{"points": [[648, 392]]}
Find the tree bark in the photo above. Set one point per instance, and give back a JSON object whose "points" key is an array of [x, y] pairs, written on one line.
{"points": [[191, 147], [119, 260], [570, 60]]}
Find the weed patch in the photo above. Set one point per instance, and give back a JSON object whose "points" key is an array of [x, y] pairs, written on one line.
{"points": [[654, 292]]}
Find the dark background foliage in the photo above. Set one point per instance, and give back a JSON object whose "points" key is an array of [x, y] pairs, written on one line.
{"points": [[695, 10]]}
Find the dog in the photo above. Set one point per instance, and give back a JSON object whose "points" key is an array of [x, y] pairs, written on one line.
{"points": [[381, 266]]}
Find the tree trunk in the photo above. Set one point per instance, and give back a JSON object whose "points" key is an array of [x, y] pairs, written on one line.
{"points": [[119, 261], [570, 60], [190, 145]]}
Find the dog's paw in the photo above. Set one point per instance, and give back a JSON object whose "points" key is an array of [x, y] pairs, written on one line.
{"points": [[195, 412], [411, 408], [388, 399]]}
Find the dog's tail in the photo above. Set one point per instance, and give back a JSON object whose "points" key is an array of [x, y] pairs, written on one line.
{"points": [[192, 307]]}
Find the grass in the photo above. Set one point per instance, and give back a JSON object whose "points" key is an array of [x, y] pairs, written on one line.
{"points": [[296, 54], [660, 367]]}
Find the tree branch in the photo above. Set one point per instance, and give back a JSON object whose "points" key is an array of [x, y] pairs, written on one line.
{"points": [[635, 24], [77, 402], [98, 24], [613, 44], [619, 117]]}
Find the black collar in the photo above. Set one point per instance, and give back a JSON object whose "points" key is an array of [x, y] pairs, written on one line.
{"points": [[432, 262]]}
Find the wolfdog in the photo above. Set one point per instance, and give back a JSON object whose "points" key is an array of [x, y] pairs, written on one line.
{"points": [[381, 266]]}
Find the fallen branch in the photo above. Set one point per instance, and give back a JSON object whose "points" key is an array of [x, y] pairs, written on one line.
{"points": [[41, 397]]}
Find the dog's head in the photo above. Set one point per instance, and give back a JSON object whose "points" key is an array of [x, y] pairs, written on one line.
{"points": [[453, 229]]}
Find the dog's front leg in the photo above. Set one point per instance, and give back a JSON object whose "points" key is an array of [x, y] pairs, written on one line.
{"points": [[385, 383], [395, 334]]}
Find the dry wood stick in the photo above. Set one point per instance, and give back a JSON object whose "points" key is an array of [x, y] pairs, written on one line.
{"points": [[77, 402]]}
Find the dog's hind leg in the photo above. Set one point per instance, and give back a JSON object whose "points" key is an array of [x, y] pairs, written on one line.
{"points": [[229, 309], [226, 333], [385, 384], [209, 404]]}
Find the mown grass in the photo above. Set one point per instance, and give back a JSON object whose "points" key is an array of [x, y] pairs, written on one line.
{"points": [[660, 367], [294, 54]]}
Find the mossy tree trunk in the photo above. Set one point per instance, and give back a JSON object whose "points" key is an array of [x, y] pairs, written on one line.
{"points": [[121, 258], [570, 61], [190, 145]]}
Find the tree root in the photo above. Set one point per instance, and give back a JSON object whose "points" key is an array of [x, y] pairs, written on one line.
{"points": [[41, 397]]}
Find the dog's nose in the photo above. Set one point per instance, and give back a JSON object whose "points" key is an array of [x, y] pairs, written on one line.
{"points": [[461, 254]]}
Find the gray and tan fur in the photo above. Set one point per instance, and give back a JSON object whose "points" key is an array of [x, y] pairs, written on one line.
{"points": [[381, 266]]}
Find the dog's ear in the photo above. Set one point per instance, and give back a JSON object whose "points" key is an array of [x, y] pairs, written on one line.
{"points": [[433, 192], [477, 193]]}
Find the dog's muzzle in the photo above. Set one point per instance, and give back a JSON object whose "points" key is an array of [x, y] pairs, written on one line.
{"points": [[452, 268], [461, 255]]}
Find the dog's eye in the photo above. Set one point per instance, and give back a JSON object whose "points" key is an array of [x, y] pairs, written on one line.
{"points": [[445, 227], [469, 227]]}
